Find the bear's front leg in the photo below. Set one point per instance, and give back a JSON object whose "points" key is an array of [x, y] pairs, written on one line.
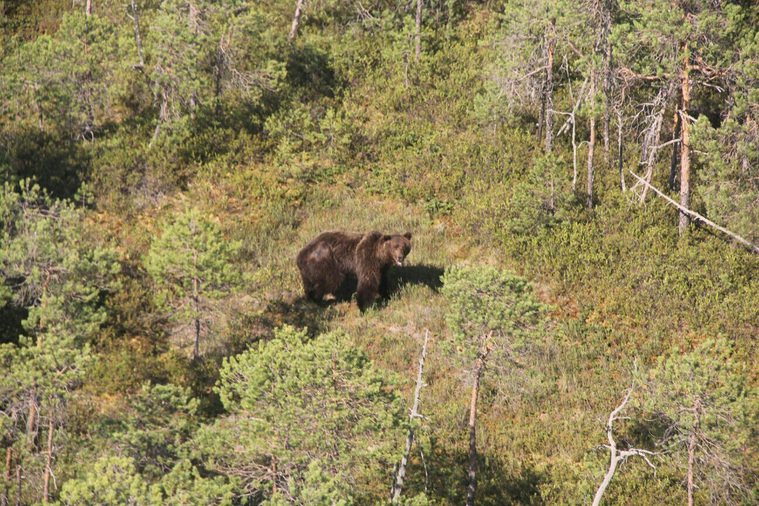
{"points": [[366, 294]]}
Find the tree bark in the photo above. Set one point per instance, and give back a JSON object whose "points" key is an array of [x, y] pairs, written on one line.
{"points": [[7, 474], [398, 485], [607, 81], [622, 184], [18, 485], [685, 166], [591, 142], [137, 37], [472, 473], [88, 8], [296, 21], [49, 461], [675, 151], [418, 29], [196, 303], [38, 102], [691, 458], [550, 49]]}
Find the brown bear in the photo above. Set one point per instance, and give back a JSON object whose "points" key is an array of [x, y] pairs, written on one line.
{"points": [[331, 256]]}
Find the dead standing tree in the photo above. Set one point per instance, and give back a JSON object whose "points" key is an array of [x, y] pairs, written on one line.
{"points": [[617, 456], [401, 474]]}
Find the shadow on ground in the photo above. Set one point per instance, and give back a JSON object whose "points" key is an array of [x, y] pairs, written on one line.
{"points": [[498, 483]]}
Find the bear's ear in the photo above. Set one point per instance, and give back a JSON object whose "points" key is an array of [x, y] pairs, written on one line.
{"points": [[386, 238], [407, 235]]}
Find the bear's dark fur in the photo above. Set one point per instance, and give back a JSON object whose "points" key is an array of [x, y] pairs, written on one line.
{"points": [[331, 256]]}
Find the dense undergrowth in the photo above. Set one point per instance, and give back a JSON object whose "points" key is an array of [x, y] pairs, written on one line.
{"points": [[265, 143]]}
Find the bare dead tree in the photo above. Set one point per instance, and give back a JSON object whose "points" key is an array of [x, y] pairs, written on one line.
{"points": [[617, 456], [652, 136], [400, 476]]}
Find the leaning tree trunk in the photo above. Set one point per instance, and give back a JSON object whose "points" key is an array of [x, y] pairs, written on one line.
{"points": [[296, 21], [472, 473], [685, 166], [400, 477]]}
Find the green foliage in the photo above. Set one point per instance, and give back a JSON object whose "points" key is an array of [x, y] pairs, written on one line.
{"points": [[703, 401], [113, 480], [293, 401], [191, 264], [344, 129], [488, 304], [161, 420]]}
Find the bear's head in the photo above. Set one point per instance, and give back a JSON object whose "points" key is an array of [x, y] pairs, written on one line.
{"points": [[395, 248]]}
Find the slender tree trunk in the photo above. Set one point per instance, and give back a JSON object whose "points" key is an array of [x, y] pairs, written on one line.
{"points": [[296, 21], [472, 474], [607, 477], [622, 184], [137, 37], [541, 116], [675, 151], [162, 115], [196, 303], [88, 8], [550, 49], [692, 449], [691, 458], [685, 167], [38, 102], [607, 83], [18, 484], [7, 474], [398, 485], [651, 144], [591, 142], [418, 29], [49, 461]]}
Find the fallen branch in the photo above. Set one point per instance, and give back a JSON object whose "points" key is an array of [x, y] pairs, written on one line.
{"points": [[697, 216]]}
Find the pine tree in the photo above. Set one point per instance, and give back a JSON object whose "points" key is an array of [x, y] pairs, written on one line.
{"points": [[704, 403], [192, 266]]}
